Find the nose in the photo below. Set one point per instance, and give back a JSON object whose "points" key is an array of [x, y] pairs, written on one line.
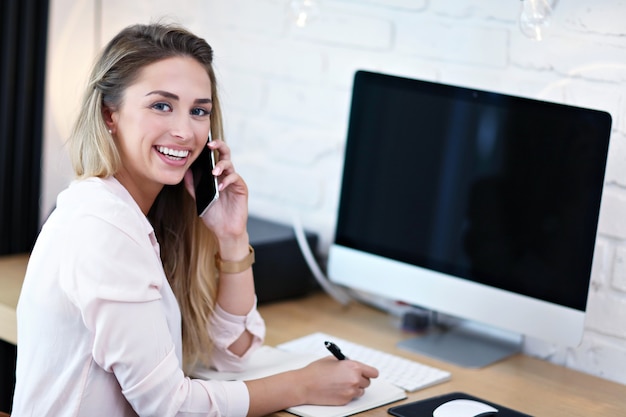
{"points": [[181, 128]]}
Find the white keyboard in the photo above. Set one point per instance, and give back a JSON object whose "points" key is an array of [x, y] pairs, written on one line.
{"points": [[404, 373]]}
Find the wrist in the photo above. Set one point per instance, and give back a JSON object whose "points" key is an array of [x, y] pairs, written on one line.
{"points": [[233, 248], [300, 387], [235, 267]]}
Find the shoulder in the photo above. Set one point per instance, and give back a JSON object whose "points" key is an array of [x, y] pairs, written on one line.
{"points": [[103, 199], [109, 250]]}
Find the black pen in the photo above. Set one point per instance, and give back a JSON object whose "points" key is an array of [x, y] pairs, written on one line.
{"points": [[334, 349]]}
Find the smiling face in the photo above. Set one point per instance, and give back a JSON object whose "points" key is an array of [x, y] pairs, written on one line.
{"points": [[161, 126]]}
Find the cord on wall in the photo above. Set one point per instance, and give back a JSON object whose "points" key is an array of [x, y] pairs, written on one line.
{"points": [[338, 293], [412, 318]]}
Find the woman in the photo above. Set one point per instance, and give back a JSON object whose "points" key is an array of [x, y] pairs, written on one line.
{"points": [[127, 289]]}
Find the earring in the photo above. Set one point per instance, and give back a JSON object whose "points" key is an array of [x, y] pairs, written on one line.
{"points": [[110, 132]]}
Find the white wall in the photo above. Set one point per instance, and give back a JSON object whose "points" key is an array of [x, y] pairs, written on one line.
{"points": [[286, 93]]}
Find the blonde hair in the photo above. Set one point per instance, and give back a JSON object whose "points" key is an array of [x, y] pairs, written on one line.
{"points": [[187, 246]]}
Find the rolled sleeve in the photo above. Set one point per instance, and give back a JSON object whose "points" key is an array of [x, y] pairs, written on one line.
{"points": [[225, 328], [230, 397], [188, 397]]}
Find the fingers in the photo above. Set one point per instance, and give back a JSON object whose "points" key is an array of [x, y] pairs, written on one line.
{"points": [[366, 370], [365, 374], [222, 149], [369, 371], [233, 178], [335, 382], [224, 168]]}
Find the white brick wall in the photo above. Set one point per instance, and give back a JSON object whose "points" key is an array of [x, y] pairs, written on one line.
{"points": [[286, 92]]}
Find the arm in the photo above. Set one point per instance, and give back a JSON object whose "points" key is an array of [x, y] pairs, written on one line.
{"points": [[117, 283], [228, 220], [236, 293], [225, 328], [141, 355], [323, 382], [327, 381]]}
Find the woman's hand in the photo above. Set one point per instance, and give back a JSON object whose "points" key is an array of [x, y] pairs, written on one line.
{"points": [[329, 381], [228, 217], [326, 381]]}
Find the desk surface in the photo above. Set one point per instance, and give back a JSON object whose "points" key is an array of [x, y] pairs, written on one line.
{"points": [[529, 385], [12, 270], [526, 384]]}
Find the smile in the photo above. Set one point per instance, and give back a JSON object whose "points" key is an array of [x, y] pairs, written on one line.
{"points": [[172, 153]]}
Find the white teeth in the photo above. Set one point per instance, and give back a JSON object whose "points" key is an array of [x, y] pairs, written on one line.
{"points": [[173, 152]]}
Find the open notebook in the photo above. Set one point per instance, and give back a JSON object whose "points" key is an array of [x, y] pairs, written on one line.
{"points": [[268, 360]]}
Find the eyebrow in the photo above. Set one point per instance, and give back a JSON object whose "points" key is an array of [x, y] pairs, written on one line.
{"points": [[175, 97]]}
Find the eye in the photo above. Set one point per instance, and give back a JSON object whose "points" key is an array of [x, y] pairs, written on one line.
{"points": [[162, 107], [199, 111]]}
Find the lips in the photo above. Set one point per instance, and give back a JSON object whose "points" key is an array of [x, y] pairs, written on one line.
{"points": [[173, 154]]}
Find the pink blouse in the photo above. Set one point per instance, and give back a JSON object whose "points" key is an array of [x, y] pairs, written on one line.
{"points": [[99, 328]]}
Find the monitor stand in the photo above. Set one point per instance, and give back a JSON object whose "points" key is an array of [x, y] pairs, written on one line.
{"points": [[466, 343]]}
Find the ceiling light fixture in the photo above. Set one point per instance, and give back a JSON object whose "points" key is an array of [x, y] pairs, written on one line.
{"points": [[535, 18]]}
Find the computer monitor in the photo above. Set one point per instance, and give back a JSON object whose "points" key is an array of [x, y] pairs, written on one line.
{"points": [[477, 205]]}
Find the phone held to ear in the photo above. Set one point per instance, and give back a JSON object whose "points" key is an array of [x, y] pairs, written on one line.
{"points": [[204, 182]]}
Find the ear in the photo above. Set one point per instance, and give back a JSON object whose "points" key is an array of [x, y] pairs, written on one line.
{"points": [[110, 118]]}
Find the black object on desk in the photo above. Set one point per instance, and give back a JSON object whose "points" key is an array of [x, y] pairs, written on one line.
{"points": [[280, 270], [425, 408]]}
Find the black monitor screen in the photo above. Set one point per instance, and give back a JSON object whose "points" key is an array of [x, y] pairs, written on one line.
{"points": [[500, 190]]}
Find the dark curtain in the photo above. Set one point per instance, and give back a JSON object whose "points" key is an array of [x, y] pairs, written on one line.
{"points": [[22, 72], [24, 29]]}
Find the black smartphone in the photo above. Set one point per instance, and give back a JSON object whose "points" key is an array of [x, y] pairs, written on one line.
{"points": [[204, 182]]}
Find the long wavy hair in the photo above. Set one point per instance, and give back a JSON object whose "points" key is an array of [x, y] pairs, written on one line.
{"points": [[187, 246]]}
